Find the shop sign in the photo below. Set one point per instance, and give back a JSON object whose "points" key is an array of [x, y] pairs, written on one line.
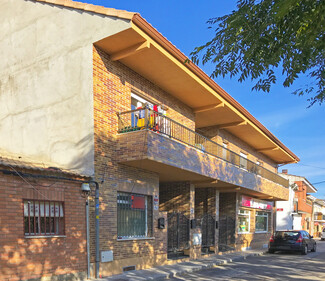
{"points": [[256, 203]]}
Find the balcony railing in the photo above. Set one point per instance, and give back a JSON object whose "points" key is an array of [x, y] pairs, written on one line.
{"points": [[145, 118]]}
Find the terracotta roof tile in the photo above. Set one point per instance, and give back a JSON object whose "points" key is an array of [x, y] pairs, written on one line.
{"points": [[91, 8], [17, 162]]}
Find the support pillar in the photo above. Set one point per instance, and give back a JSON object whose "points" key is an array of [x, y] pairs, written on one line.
{"points": [[216, 239], [195, 250]]}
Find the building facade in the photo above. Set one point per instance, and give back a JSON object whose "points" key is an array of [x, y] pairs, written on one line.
{"points": [[318, 216], [183, 169], [297, 212]]}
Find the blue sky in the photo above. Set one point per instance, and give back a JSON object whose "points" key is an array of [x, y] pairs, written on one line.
{"points": [[300, 128]]}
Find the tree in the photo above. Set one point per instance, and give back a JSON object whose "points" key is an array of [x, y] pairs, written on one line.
{"points": [[262, 36]]}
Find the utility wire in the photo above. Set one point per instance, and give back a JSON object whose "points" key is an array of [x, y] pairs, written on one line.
{"points": [[27, 181], [323, 168], [318, 182]]}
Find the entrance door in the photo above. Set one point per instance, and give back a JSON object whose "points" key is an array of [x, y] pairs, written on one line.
{"points": [[178, 233], [208, 224], [227, 226]]}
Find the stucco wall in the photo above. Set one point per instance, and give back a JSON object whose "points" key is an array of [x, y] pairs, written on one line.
{"points": [[46, 84], [284, 220]]}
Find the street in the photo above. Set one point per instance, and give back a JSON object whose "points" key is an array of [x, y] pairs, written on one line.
{"points": [[279, 266]]}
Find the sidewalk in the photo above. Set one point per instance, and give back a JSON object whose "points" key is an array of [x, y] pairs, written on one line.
{"points": [[168, 271]]}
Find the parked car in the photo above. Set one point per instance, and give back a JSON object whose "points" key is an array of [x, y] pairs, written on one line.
{"points": [[322, 235], [292, 240]]}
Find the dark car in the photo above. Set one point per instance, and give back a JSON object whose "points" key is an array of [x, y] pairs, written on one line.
{"points": [[292, 240]]}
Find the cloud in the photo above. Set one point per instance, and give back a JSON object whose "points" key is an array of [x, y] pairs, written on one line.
{"points": [[280, 118]]}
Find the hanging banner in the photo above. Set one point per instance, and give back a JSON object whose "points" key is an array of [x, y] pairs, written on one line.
{"points": [[255, 203]]}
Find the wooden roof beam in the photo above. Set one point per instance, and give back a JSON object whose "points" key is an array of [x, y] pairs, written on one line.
{"points": [[232, 124], [208, 107], [267, 149], [130, 51]]}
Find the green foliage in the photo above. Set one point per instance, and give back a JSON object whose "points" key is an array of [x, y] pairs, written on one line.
{"points": [[261, 36]]}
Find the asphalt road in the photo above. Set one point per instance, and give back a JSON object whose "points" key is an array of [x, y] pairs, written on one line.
{"points": [[279, 266]]}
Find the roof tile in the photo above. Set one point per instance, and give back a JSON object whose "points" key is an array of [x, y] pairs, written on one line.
{"points": [[91, 8]]}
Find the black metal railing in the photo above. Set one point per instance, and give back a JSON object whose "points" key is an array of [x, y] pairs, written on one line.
{"points": [[145, 118]]}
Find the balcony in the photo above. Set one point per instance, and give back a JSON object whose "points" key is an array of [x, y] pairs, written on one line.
{"points": [[185, 149]]}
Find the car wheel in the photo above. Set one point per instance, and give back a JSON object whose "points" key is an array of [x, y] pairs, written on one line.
{"points": [[314, 248], [271, 251], [304, 250]]}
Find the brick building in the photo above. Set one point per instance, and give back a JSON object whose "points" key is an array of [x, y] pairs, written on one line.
{"points": [[42, 222], [183, 169]]}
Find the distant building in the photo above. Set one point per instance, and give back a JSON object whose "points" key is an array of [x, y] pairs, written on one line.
{"points": [[319, 216], [297, 212]]}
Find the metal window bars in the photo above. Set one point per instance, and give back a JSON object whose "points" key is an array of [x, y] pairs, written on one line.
{"points": [[43, 218], [134, 215], [147, 119]]}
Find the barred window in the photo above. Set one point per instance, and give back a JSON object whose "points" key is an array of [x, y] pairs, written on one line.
{"points": [[134, 215], [43, 218], [261, 222]]}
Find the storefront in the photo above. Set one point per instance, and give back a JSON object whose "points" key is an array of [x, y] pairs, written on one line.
{"points": [[254, 223]]}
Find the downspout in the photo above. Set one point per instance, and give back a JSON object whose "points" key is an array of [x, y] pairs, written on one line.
{"points": [[87, 228], [96, 227]]}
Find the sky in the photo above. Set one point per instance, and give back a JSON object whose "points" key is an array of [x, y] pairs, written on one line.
{"points": [[300, 128]]}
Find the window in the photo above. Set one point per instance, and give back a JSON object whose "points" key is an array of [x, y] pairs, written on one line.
{"points": [[243, 221], [243, 160], [261, 222], [224, 151], [134, 215], [43, 218], [258, 167]]}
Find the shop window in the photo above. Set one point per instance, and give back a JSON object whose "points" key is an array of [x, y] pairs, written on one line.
{"points": [[243, 221], [134, 215], [261, 222], [43, 218]]}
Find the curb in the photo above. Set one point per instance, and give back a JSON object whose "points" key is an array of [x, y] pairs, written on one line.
{"points": [[190, 267], [210, 265]]}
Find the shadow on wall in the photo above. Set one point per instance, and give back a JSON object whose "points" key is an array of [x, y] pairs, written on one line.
{"points": [[83, 163], [23, 258]]}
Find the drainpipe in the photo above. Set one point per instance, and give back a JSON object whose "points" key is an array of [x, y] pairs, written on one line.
{"points": [[87, 227], [96, 227]]}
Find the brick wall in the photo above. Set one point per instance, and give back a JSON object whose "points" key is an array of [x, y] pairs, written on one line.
{"points": [[175, 197], [113, 84], [237, 145], [205, 202], [156, 147], [301, 194], [24, 258]]}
